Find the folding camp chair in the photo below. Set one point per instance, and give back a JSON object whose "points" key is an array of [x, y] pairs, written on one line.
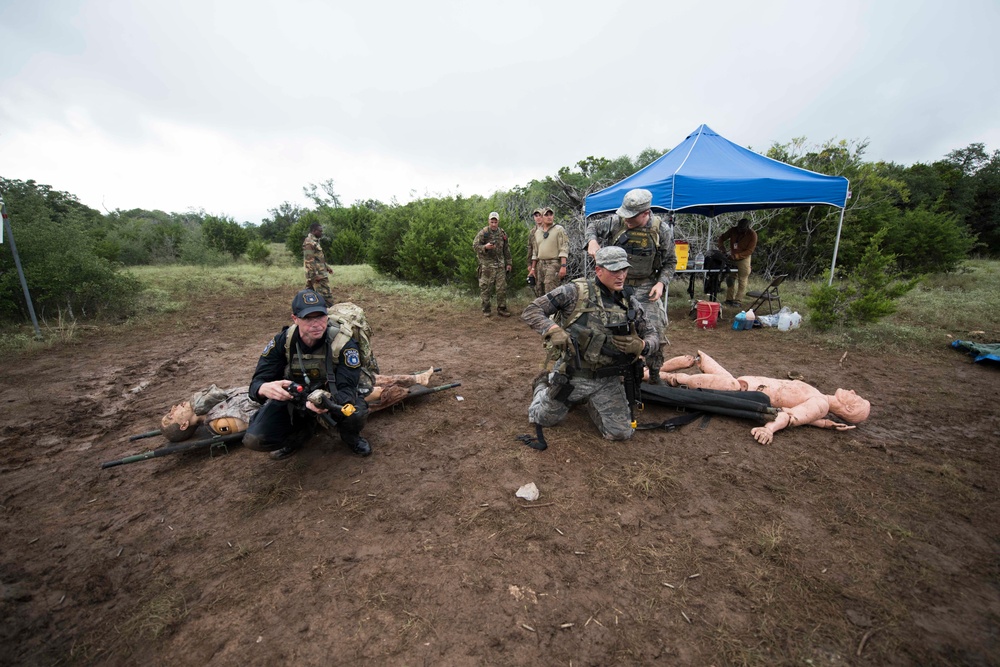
{"points": [[768, 295]]}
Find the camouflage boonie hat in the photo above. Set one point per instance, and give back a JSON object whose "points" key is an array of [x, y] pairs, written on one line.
{"points": [[635, 202], [612, 258]]}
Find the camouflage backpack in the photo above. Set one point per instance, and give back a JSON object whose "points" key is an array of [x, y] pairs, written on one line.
{"points": [[351, 322], [347, 321]]}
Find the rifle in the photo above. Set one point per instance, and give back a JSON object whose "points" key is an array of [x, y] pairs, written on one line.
{"points": [[212, 443], [632, 369]]}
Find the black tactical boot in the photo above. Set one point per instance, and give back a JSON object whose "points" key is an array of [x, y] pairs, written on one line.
{"points": [[361, 447]]}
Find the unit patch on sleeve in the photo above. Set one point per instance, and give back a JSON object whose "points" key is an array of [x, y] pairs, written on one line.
{"points": [[352, 358], [268, 348]]}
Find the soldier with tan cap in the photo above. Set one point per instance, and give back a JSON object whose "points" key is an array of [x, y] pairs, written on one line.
{"points": [[587, 321], [493, 252], [649, 244], [551, 251]]}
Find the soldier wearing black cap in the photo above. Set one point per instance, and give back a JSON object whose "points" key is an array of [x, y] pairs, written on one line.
{"points": [[306, 354]]}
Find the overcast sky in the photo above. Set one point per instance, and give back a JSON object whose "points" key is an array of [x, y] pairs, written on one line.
{"points": [[234, 106]]}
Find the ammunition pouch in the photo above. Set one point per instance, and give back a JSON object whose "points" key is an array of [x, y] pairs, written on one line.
{"points": [[559, 387], [592, 344]]}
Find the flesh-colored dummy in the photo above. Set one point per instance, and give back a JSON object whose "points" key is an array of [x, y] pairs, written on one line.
{"points": [[800, 403]]}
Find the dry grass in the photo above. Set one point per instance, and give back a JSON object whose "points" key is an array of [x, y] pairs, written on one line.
{"points": [[273, 486], [155, 614], [643, 479]]}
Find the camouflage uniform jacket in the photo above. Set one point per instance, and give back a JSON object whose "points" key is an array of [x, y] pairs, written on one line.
{"points": [[499, 255], [661, 260], [532, 248], [561, 304], [214, 403], [312, 257]]}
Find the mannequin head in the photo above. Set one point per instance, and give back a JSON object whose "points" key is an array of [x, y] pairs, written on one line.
{"points": [[849, 406]]}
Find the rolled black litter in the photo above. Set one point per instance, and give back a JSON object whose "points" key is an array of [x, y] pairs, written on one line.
{"points": [[752, 405]]}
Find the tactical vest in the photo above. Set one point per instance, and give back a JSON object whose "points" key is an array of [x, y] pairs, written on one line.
{"points": [[497, 238], [643, 247], [588, 325], [317, 370]]}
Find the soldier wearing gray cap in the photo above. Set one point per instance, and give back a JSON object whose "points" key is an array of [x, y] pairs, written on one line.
{"points": [[649, 244], [596, 333], [493, 252]]}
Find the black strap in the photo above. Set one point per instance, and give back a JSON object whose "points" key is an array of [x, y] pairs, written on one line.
{"points": [[671, 424]]}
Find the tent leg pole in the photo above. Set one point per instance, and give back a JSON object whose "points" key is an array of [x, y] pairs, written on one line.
{"points": [[836, 245]]}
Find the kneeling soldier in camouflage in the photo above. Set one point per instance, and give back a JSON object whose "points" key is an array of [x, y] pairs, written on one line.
{"points": [[600, 331]]}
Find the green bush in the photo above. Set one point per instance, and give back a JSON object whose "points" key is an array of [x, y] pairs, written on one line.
{"points": [[225, 235], [928, 242], [58, 248], [258, 252], [868, 294]]}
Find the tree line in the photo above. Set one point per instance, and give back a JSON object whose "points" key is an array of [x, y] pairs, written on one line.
{"points": [[925, 217]]}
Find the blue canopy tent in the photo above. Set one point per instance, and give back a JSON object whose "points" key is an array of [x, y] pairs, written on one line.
{"points": [[707, 174]]}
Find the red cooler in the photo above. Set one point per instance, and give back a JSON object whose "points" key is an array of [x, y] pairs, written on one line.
{"points": [[708, 314]]}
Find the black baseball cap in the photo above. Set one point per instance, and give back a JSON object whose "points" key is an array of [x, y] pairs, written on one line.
{"points": [[307, 302]]}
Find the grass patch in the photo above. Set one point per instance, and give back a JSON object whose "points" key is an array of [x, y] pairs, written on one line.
{"points": [[155, 615], [640, 479], [943, 307], [267, 490]]}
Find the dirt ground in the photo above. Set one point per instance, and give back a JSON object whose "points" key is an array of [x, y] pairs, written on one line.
{"points": [[877, 546]]}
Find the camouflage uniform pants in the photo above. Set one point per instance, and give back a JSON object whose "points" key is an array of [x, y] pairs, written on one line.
{"points": [[606, 403], [656, 312], [656, 315], [547, 274], [493, 276], [319, 281]]}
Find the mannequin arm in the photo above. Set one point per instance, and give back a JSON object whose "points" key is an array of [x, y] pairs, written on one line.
{"points": [[829, 423]]}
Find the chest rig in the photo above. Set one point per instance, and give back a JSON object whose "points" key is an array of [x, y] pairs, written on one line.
{"points": [[643, 247], [594, 321], [313, 370], [498, 239]]}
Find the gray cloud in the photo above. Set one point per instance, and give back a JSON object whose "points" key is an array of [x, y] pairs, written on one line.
{"points": [[233, 106]]}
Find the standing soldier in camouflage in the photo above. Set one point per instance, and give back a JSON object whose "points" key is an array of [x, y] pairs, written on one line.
{"points": [[317, 272], [536, 287], [649, 244], [599, 327], [493, 251], [548, 262]]}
